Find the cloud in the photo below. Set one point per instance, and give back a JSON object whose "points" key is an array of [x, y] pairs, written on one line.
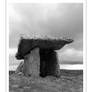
{"points": [[72, 51], [70, 55], [13, 51], [13, 14]]}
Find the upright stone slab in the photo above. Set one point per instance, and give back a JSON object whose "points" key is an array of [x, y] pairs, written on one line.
{"points": [[49, 63], [32, 63]]}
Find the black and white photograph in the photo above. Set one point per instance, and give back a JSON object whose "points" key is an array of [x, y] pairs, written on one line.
{"points": [[45, 47]]}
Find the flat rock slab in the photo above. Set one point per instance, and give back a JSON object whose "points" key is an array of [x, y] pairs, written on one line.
{"points": [[54, 44], [26, 45]]}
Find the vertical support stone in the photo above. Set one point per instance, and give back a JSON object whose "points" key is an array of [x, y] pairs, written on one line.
{"points": [[49, 63], [32, 63], [57, 68]]}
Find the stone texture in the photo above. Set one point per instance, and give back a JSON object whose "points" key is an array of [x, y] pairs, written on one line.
{"points": [[32, 63]]}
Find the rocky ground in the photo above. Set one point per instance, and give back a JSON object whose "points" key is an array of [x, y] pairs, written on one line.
{"points": [[70, 81]]}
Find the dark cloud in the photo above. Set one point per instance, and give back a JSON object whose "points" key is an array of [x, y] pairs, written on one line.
{"points": [[58, 20]]}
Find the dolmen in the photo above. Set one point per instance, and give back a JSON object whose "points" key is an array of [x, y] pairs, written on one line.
{"points": [[39, 55]]}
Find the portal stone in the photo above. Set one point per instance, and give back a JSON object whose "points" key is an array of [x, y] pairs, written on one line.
{"points": [[49, 63], [32, 63]]}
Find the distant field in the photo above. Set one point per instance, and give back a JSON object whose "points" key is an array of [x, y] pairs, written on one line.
{"points": [[62, 66]]}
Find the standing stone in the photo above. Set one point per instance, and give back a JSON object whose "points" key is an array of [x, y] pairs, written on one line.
{"points": [[32, 63], [49, 64], [57, 68]]}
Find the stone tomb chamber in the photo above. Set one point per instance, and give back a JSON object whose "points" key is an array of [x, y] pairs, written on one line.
{"points": [[40, 58]]}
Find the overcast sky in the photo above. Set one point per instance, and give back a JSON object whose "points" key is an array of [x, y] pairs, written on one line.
{"points": [[57, 20]]}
